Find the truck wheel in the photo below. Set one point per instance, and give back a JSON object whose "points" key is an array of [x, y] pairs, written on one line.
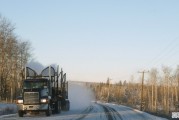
{"points": [[47, 112], [58, 107], [67, 106], [21, 114]]}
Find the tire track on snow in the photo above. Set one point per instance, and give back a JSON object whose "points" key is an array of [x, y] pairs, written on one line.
{"points": [[111, 113]]}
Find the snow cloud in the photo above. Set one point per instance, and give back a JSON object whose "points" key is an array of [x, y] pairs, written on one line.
{"points": [[80, 95]]}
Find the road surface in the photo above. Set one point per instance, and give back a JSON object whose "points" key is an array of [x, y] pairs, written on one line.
{"points": [[96, 111]]}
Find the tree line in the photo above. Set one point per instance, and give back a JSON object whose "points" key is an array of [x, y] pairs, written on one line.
{"points": [[160, 91], [14, 54]]}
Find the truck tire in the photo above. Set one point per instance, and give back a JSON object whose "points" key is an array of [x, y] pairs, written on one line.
{"points": [[67, 107], [21, 113], [58, 107], [48, 111]]}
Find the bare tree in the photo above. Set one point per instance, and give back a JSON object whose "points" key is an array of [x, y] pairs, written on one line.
{"points": [[167, 74], [153, 80], [14, 54]]}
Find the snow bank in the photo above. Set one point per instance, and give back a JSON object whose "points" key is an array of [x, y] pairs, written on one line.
{"points": [[80, 96], [7, 108], [129, 113]]}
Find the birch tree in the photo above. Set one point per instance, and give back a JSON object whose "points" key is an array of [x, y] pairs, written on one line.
{"points": [[14, 54]]}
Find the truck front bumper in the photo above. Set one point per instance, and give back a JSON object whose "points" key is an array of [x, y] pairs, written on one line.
{"points": [[40, 107]]}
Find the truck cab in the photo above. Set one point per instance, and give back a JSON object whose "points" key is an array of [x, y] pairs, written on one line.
{"points": [[35, 97]]}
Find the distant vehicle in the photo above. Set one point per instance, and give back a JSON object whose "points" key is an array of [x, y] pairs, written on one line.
{"points": [[47, 92]]}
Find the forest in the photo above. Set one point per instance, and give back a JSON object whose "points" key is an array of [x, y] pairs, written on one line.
{"points": [[160, 91], [14, 54]]}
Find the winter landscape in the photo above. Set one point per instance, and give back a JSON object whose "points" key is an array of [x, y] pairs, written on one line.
{"points": [[89, 60], [83, 107]]}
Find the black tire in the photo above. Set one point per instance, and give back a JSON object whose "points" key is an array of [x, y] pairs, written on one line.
{"points": [[48, 111], [58, 107], [67, 107], [21, 113]]}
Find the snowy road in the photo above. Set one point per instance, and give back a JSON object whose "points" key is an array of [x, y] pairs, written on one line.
{"points": [[96, 111]]}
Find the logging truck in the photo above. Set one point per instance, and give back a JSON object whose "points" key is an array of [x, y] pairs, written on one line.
{"points": [[47, 92]]}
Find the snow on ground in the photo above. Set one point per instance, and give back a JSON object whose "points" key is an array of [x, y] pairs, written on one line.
{"points": [[92, 112], [7, 108], [128, 113]]}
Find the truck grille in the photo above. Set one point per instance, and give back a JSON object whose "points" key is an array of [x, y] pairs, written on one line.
{"points": [[31, 97]]}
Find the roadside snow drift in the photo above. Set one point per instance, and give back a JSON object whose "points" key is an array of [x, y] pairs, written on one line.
{"points": [[7, 108]]}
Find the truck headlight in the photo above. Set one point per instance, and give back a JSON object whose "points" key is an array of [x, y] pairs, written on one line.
{"points": [[44, 100], [19, 101]]}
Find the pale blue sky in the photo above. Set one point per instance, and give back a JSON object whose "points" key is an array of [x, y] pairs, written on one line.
{"points": [[96, 39]]}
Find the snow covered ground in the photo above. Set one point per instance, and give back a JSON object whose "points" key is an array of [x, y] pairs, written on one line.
{"points": [[96, 111], [128, 113], [7, 108], [83, 109]]}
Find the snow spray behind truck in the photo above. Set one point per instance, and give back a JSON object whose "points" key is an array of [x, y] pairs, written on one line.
{"points": [[47, 92]]}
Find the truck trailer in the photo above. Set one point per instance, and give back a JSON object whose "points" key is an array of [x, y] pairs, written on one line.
{"points": [[47, 92]]}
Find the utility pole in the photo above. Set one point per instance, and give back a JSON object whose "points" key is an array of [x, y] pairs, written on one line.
{"points": [[178, 83], [142, 87], [108, 88], [177, 93]]}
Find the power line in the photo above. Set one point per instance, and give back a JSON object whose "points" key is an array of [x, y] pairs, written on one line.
{"points": [[167, 54], [162, 53]]}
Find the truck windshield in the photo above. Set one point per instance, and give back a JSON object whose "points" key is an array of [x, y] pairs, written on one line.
{"points": [[35, 84]]}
